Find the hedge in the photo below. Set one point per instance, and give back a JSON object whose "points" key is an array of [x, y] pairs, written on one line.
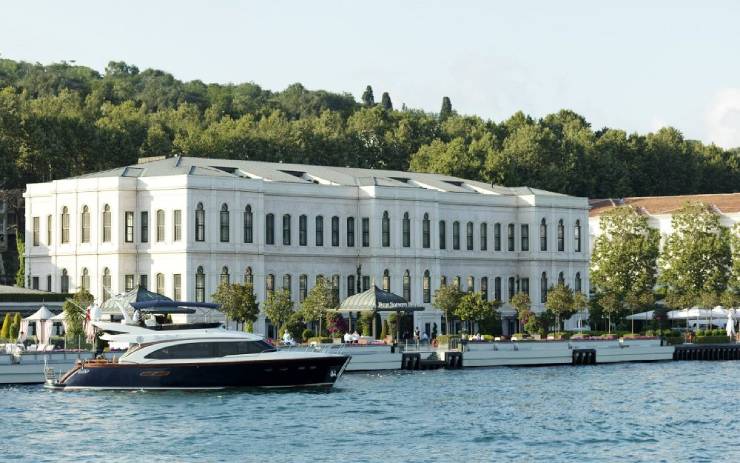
{"points": [[712, 340]]}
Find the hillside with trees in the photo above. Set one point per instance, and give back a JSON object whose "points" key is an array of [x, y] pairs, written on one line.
{"points": [[61, 120]]}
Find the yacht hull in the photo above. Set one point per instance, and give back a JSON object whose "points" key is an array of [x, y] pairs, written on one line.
{"points": [[319, 371]]}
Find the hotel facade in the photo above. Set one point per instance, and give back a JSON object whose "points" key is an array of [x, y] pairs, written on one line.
{"points": [[180, 226]]}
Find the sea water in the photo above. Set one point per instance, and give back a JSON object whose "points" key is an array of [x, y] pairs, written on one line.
{"points": [[670, 411]]}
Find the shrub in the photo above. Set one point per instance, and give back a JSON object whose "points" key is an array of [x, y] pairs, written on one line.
{"points": [[712, 340], [649, 333], [320, 340], [488, 337], [5, 330], [674, 340], [444, 339], [700, 333], [307, 334]]}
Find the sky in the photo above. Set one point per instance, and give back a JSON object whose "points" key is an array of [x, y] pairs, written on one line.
{"points": [[632, 65]]}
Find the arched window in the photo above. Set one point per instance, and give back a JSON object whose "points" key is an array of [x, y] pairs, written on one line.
{"points": [[386, 230], [483, 236], [270, 228], [426, 287], [64, 284], [471, 284], [65, 225], [335, 231], [335, 288], [561, 279], [224, 278], [455, 235], [286, 229], [406, 230], [319, 278], [287, 286], [160, 225], [469, 235], [561, 236], [407, 286], [85, 280], [577, 285], [386, 280], [497, 237], [543, 287], [512, 287], [269, 283], [350, 231], [456, 282], [200, 223], [350, 285], [200, 285], [543, 235], [319, 230], [425, 232], [511, 237], [497, 289], [484, 287], [248, 276], [442, 234], [224, 223], [302, 287], [302, 230], [85, 228], [106, 284], [106, 224], [443, 280], [160, 283], [577, 236], [248, 224], [524, 230]]}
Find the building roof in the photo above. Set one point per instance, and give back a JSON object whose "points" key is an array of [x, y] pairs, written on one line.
{"points": [[307, 174], [725, 203], [5, 289]]}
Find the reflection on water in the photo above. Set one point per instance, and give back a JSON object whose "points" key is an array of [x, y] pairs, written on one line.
{"points": [[672, 411]]}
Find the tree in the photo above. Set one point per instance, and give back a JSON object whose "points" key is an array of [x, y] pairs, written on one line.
{"points": [[238, 303], [696, 260], [15, 327], [520, 301], [624, 260], [560, 303], [20, 276], [446, 300], [367, 97], [446, 110], [279, 307], [5, 330], [473, 307], [385, 102], [74, 309], [319, 300]]}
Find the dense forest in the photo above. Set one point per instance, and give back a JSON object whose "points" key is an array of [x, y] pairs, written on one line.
{"points": [[62, 119]]}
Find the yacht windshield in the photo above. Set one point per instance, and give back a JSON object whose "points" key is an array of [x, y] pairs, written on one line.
{"points": [[195, 350]]}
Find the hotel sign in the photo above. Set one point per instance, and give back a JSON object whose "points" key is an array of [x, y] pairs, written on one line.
{"points": [[393, 305]]}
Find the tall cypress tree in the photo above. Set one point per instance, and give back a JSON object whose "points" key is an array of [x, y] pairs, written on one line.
{"points": [[367, 97], [385, 102], [446, 110]]}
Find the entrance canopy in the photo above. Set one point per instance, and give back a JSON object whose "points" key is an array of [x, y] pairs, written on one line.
{"points": [[43, 320], [377, 300]]}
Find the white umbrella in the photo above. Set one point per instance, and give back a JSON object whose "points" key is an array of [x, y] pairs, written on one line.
{"points": [[730, 328], [42, 317]]}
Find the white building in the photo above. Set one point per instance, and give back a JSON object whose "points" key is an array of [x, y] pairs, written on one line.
{"points": [[659, 210], [181, 225]]}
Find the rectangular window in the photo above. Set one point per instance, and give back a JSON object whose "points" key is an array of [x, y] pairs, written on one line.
{"points": [[512, 287], [303, 230], [302, 287], [511, 237], [365, 282], [497, 237], [128, 282], [144, 281], [484, 288], [350, 232], [286, 229], [36, 230], [455, 235], [335, 231], [442, 234], [49, 230], [365, 232], [35, 283], [525, 237], [484, 236], [176, 225], [319, 230], [469, 236], [497, 289], [176, 286], [160, 226], [270, 229], [129, 224], [144, 227]]}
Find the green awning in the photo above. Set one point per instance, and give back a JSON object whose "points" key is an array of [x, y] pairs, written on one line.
{"points": [[377, 300]]}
